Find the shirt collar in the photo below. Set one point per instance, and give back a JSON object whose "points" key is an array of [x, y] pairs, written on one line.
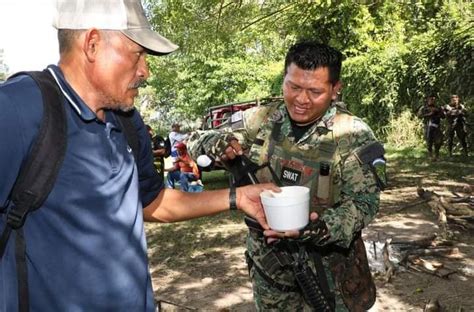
{"points": [[327, 121], [73, 98]]}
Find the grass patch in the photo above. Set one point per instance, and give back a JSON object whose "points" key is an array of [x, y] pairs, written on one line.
{"points": [[415, 160], [214, 180], [181, 241]]}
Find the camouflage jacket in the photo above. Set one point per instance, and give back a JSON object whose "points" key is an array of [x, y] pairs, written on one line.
{"points": [[456, 116], [354, 195]]}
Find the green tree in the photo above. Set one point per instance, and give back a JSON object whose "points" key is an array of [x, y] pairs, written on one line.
{"points": [[3, 67], [396, 51]]}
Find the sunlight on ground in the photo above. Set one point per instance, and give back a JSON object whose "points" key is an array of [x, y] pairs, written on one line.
{"points": [[202, 283], [407, 222], [242, 294], [391, 303]]}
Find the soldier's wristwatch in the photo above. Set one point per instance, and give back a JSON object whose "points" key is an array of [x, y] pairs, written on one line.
{"points": [[232, 198]]}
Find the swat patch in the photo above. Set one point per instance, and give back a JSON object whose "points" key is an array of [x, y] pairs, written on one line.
{"points": [[290, 176]]}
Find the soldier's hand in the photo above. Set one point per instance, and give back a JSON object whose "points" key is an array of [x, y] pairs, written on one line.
{"points": [[233, 149], [273, 236], [248, 200]]}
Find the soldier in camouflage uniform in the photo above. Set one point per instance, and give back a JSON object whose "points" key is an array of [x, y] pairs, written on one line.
{"points": [[456, 117], [299, 137], [432, 116]]}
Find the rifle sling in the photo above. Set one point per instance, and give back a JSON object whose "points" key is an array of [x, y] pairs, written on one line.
{"points": [[277, 259]]}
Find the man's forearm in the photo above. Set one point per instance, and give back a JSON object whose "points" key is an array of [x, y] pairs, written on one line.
{"points": [[173, 205]]}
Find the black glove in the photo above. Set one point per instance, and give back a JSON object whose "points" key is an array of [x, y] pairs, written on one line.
{"points": [[316, 232]]}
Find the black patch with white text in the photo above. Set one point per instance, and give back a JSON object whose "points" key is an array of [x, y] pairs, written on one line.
{"points": [[290, 176]]}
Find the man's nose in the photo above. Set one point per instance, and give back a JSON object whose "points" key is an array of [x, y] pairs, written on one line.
{"points": [[302, 96], [143, 70]]}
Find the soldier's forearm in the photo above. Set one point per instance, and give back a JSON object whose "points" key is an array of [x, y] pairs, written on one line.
{"points": [[350, 217]]}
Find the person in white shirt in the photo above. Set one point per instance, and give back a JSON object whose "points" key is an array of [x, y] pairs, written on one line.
{"points": [[176, 137]]}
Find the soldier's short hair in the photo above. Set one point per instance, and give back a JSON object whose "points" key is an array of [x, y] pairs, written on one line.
{"points": [[310, 55]]}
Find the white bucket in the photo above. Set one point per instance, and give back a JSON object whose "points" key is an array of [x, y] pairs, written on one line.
{"points": [[287, 210]]}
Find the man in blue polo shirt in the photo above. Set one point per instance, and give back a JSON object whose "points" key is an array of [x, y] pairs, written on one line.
{"points": [[85, 247]]}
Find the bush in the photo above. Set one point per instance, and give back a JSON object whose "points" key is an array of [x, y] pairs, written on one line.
{"points": [[403, 131]]}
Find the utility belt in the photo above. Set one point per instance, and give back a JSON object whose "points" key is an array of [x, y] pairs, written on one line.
{"points": [[293, 255], [349, 267], [433, 124]]}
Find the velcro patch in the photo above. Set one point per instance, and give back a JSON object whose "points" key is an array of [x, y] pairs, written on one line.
{"points": [[290, 176]]}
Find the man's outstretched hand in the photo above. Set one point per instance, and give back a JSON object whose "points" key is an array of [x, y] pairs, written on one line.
{"points": [[248, 200]]}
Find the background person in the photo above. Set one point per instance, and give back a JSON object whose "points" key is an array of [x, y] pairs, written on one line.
{"points": [[456, 115], [176, 137], [298, 137], [160, 148], [85, 246], [185, 170], [432, 116]]}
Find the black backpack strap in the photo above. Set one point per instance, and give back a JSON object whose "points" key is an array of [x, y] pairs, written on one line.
{"points": [[130, 132], [37, 175]]}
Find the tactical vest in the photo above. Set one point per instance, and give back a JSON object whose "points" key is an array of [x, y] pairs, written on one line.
{"points": [[298, 164]]}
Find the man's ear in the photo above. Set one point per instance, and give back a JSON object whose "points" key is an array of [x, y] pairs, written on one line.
{"points": [[91, 43], [336, 89]]}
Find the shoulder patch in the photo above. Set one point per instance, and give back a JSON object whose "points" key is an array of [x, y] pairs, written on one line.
{"points": [[276, 116]]}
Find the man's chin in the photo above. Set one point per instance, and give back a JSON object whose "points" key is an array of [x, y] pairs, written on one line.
{"points": [[303, 120], [299, 118], [126, 108]]}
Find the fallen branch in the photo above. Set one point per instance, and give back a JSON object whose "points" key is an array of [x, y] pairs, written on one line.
{"points": [[445, 252], [389, 266], [465, 199], [438, 207], [418, 243], [445, 211], [413, 204], [441, 273], [433, 305], [466, 222]]}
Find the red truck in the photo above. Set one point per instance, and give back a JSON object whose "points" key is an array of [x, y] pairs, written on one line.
{"points": [[228, 114]]}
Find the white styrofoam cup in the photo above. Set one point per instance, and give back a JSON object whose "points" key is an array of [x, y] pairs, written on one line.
{"points": [[287, 210]]}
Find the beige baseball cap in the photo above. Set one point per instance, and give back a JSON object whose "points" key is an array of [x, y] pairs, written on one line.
{"points": [[127, 16]]}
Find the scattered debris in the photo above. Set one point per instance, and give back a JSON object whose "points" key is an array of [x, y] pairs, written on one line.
{"points": [[451, 212], [433, 305], [389, 266]]}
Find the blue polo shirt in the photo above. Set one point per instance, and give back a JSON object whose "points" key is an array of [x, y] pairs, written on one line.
{"points": [[86, 247]]}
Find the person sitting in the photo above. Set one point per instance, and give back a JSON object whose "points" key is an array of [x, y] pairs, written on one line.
{"points": [[184, 170]]}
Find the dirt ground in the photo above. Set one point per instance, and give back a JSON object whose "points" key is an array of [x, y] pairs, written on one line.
{"points": [[199, 265]]}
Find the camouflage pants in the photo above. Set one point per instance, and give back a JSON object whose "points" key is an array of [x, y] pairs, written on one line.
{"points": [[434, 138], [268, 298], [460, 133]]}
